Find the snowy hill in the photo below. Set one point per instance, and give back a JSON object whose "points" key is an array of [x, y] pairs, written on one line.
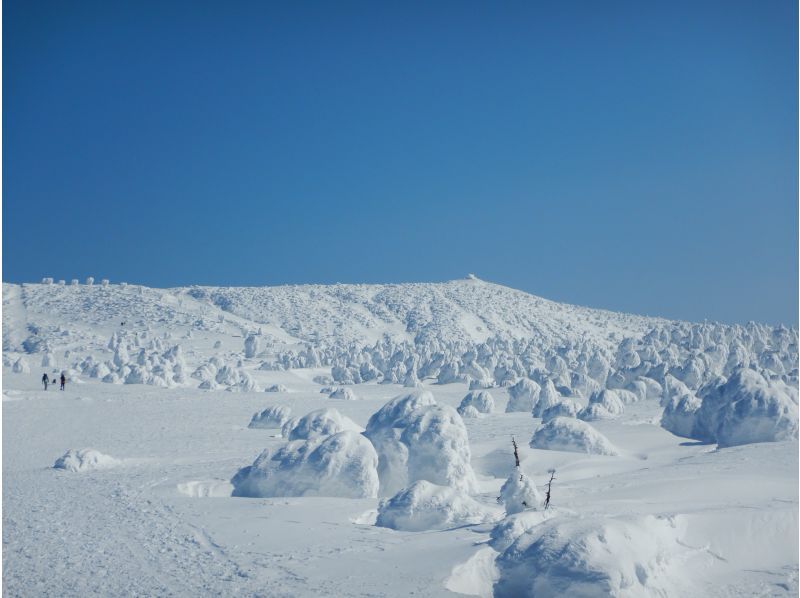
{"points": [[270, 441], [468, 310]]}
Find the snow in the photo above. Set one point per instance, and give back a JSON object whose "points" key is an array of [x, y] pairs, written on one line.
{"points": [[21, 366], [424, 506], [343, 394], [523, 396], [567, 434], [747, 408], [564, 408], [322, 422], [418, 439], [519, 493], [621, 556], [481, 401], [271, 417], [164, 521], [84, 460], [276, 388]]}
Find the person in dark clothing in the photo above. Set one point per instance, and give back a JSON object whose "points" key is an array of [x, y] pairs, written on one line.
{"points": [[45, 380], [63, 381]]}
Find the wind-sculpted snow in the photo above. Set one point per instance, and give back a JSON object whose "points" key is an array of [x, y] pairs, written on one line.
{"points": [[572, 435], [84, 460], [425, 506], [596, 557], [343, 464], [418, 439]]}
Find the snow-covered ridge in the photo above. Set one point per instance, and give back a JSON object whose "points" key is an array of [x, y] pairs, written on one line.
{"points": [[467, 310], [466, 331]]}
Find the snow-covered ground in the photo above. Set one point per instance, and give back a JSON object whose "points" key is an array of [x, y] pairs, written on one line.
{"points": [[145, 505]]}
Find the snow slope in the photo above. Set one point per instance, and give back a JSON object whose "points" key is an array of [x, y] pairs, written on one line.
{"points": [[150, 374]]}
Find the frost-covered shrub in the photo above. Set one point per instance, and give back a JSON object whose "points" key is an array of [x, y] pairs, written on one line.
{"points": [[271, 417], [47, 280], [276, 388], [594, 412], [572, 435], [522, 396], [84, 460], [418, 439], [104, 282], [344, 394], [21, 366], [548, 397], [89, 281], [564, 408], [343, 464], [480, 400], [426, 506], [252, 346], [747, 408], [609, 400], [519, 493], [680, 414], [322, 422]]}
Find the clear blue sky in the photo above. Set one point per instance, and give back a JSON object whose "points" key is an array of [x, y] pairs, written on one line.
{"points": [[637, 156]]}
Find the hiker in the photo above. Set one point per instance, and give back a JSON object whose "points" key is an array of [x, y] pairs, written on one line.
{"points": [[63, 380], [45, 380]]}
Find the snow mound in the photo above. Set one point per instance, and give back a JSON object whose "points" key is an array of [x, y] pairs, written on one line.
{"points": [[425, 506], [84, 460], [512, 527], [564, 408], [418, 439], [271, 417], [343, 464], [523, 396], [747, 408], [480, 400], [519, 493], [597, 556], [343, 394], [322, 422], [571, 435]]}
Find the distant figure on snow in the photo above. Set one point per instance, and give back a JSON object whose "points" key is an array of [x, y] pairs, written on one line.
{"points": [[45, 380], [63, 381]]}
